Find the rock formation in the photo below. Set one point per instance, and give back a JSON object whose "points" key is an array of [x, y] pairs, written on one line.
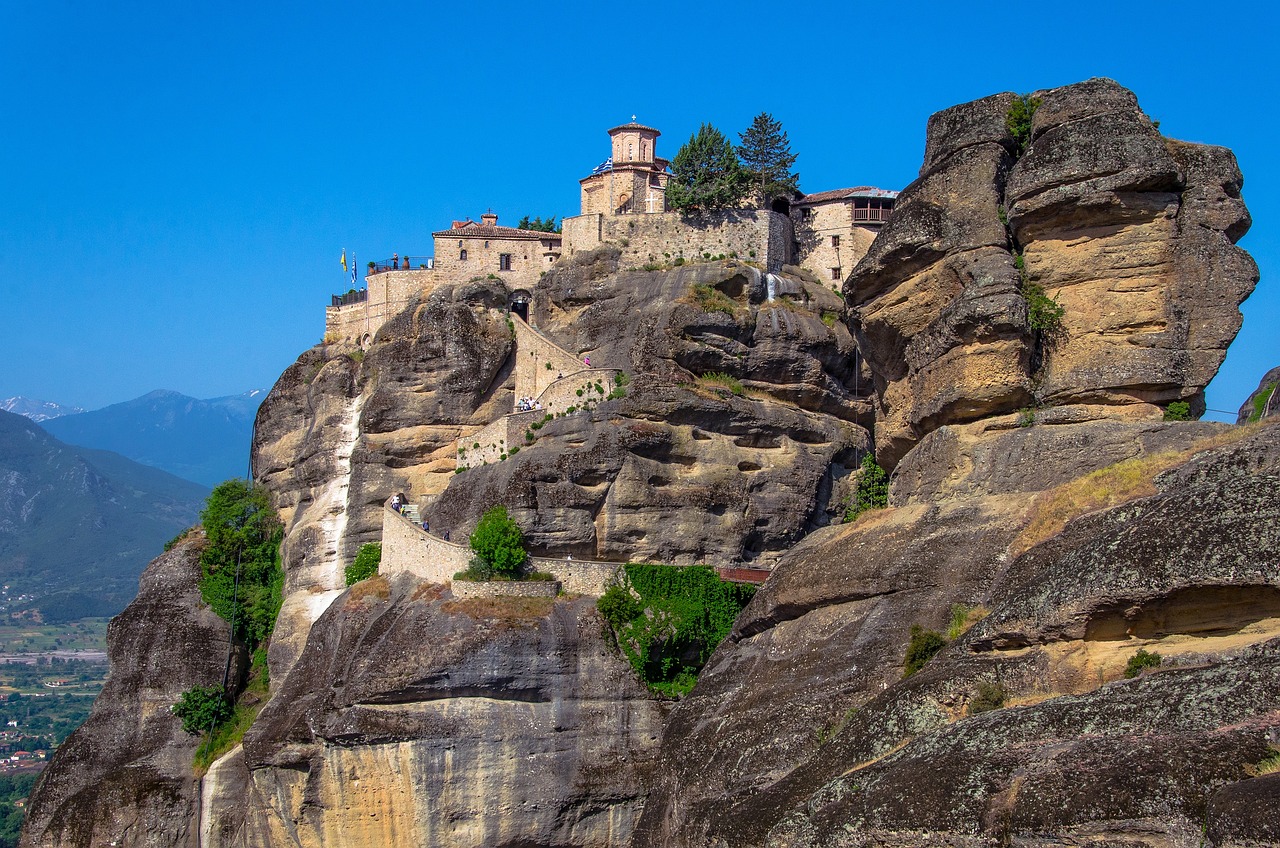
{"points": [[1263, 403], [511, 724], [1042, 515], [124, 777], [1130, 232]]}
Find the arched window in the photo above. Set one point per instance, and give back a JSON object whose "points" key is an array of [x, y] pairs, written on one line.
{"points": [[462, 256]]}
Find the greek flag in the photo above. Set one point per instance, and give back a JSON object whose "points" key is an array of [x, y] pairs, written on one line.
{"points": [[606, 165]]}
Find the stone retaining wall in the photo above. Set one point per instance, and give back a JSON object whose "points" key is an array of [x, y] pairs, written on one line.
{"points": [[753, 234], [407, 548], [534, 352], [464, 589]]}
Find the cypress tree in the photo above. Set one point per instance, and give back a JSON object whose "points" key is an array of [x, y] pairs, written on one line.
{"points": [[766, 155]]}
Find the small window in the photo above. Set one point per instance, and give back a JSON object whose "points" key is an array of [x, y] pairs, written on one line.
{"points": [[459, 244], [462, 256], [835, 241], [504, 261], [835, 273], [486, 245]]}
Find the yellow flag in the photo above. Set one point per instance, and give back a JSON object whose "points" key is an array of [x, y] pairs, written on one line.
{"points": [[344, 259]]}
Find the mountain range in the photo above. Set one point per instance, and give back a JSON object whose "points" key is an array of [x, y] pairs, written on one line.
{"points": [[37, 410], [206, 441], [78, 525]]}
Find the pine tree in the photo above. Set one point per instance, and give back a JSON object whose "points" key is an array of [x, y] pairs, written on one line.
{"points": [[767, 157], [706, 173]]}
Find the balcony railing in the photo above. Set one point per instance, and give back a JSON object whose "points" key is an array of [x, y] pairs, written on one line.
{"points": [[402, 263], [871, 214], [350, 297]]}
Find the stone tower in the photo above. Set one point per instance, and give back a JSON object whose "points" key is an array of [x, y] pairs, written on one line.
{"points": [[633, 180]]}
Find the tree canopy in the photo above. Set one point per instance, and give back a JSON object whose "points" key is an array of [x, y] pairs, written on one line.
{"points": [[767, 158], [539, 225], [498, 541], [243, 533], [706, 173]]}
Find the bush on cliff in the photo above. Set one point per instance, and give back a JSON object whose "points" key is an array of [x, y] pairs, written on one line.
{"points": [[499, 544], [241, 578], [202, 708], [872, 491], [667, 620], [923, 646], [366, 563]]}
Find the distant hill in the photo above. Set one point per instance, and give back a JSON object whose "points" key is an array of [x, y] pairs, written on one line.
{"points": [[202, 440], [77, 525], [37, 410]]}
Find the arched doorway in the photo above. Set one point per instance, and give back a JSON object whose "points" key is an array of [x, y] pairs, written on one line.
{"points": [[519, 304]]}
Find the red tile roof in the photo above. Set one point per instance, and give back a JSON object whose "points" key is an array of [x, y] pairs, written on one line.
{"points": [[845, 193], [471, 229]]}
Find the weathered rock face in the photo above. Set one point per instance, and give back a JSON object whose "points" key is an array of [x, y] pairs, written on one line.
{"points": [[125, 777], [340, 432], [801, 731], [1264, 402], [411, 719], [677, 472], [1132, 233]]}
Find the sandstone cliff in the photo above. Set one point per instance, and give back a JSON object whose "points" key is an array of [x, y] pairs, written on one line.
{"points": [[1130, 232], [413, 719], [125, 778], [1037, 498]]}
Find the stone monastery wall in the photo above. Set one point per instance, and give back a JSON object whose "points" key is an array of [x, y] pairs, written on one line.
{"points": [[755, 235], [407, 548], [539, 361], [389, 293]]}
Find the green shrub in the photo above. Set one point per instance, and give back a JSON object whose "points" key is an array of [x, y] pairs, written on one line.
{"points": [[618, 607], [498, 542], [1179, 410], [1026, 416], [668, 620], [366, 563], [872, 491], [1141, 661], [201, 708], [244, 536], [990, 696], [548, 366], [1018, 120], [923, 646], [830, 318]]}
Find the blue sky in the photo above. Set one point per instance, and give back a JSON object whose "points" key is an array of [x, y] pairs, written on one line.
{"points": [[179, 179]]}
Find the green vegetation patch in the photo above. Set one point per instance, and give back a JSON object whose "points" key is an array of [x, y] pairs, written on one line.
{"points": [[1141, 661], [366, 563], [241, 577], [499, 549], [721, 380], [13, 788], [989, 696], [923, 646], [711, 299], [1260, 403], [872, 491], [1018, 120], [1179, 410], [668, 620]]}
